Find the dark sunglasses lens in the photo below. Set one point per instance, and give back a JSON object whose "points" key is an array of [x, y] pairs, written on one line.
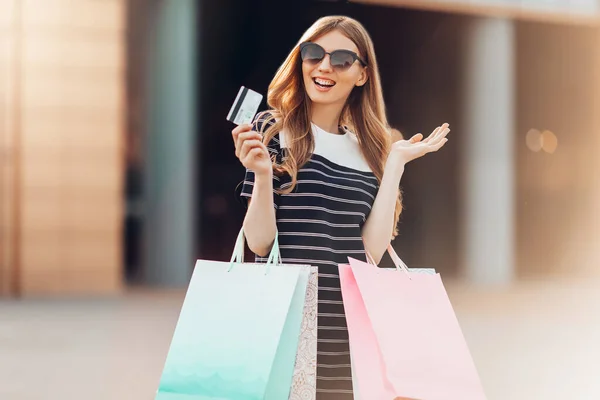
{"points": [[341, 60], [312, 53]]}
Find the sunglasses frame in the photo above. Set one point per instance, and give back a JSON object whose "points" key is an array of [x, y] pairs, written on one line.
{"points": [[355, 56]]}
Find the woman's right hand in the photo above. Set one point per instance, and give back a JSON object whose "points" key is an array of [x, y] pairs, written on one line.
{"points": [[251, 151]]}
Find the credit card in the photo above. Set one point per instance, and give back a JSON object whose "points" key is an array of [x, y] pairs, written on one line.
{"points": [[245, 106]]}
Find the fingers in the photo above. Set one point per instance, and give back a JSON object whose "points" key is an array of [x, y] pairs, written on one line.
{"points": [[431, 147], [252, 147], [441, 135], [432, 135], [253, 153], [244, 137], [436, 140], [416, 138], [441, 143], [438, 133], [241, 128]]}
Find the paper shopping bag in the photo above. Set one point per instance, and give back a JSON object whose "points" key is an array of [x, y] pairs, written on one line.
{"points": [[304, 383], [405, 340], [237, 334]]}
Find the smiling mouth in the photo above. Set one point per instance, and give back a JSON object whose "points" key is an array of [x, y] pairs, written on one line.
{"points": [[324, 83]]}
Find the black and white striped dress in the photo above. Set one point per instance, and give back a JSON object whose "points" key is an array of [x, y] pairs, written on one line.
{"points": [[320, 223]]}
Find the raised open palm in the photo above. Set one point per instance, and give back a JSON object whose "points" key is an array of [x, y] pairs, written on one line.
{"points": [[415, 147]]}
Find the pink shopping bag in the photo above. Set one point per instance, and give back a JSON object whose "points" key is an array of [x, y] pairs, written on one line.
{"points": [[405, 340]]}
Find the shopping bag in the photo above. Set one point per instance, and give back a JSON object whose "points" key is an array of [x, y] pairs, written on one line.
{"points": [[405, 340], [304, 382], [238, 330]]}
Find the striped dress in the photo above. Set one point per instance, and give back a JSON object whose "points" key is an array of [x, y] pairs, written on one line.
{"points": [[320, 223]]}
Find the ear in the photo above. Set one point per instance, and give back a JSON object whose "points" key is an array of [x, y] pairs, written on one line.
{"points": [[363, 78]]}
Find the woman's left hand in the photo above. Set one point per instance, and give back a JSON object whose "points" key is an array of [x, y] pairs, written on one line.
{"points": [[404, 151]]}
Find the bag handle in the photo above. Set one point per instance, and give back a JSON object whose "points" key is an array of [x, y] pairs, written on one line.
{"points": [[238, 252], [400, 265]]}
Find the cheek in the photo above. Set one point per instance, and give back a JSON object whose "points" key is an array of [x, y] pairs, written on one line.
{"points": [[345, 84], [306, 73]]}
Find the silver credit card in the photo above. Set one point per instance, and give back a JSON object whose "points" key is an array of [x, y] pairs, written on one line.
{"points": [[245, 106]]}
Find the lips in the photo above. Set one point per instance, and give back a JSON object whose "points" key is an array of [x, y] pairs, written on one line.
{"points": [[324, 83]]}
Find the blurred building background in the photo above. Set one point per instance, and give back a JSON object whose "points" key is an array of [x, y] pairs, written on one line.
{"points": [[117, 171]]}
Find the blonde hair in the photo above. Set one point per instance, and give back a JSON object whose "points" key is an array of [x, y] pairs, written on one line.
{"points": [[364, 110]]}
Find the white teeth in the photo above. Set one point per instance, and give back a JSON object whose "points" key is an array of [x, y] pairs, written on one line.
{"points": [[324, 82]]}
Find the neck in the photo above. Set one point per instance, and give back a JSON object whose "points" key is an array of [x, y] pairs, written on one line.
{"points": [[326, 116]]}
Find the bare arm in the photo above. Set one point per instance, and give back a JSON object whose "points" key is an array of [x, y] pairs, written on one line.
{"points": [[377, 230], [259, 224]]}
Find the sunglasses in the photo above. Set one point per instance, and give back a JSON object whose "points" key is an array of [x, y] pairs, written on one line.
{"points": [[340, 60]]}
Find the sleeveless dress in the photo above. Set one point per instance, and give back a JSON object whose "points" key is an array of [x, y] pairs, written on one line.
{"points": [[319, 223]]}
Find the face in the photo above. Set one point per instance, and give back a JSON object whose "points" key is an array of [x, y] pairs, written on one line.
{"points": [[326, 85]]}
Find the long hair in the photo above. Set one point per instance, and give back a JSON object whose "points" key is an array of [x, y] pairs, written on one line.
{"points": [[364, 110]]}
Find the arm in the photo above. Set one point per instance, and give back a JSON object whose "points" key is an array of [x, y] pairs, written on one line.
{"points": [[379, 226], [259, 224], [377, 230]]}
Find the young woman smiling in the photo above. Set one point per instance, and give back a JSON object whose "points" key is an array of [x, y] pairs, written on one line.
{"points": [[326, 190]]}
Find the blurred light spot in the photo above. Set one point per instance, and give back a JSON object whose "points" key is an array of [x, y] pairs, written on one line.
{"points": [[534, 140], [549, 141]]}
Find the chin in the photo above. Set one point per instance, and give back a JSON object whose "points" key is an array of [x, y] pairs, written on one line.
{"points": [[322, 98], [318, 98]]}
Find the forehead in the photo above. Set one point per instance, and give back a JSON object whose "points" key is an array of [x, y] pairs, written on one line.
{"points": [[335, 40]]}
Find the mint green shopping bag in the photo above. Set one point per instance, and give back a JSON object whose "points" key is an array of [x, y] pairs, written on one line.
{"points": [[237, 333]]}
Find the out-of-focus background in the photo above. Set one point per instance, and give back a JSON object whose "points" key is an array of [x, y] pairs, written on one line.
{"points": [[117, 172]]}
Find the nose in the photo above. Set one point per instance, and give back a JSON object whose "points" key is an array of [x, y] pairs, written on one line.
{"points": [[325, 65]]}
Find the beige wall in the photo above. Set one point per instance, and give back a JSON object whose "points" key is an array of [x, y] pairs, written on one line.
{"points": [[68, 105], [558, 83], [562, 11], [7, 63]]}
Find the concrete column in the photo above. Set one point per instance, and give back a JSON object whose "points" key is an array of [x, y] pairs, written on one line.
{"points": [[170, 145], [488, 155]]}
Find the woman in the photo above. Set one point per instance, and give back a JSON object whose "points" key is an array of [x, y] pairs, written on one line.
{"points": [[327, 191]]}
